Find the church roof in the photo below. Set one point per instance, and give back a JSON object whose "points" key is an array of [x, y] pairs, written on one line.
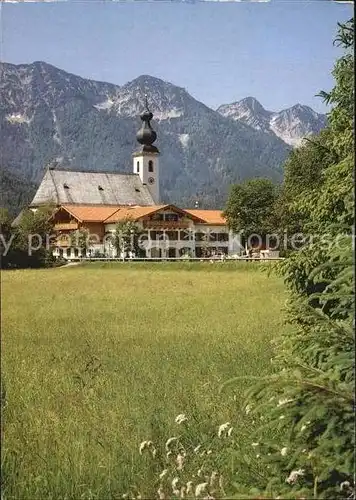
{"points": [[65, 187]]}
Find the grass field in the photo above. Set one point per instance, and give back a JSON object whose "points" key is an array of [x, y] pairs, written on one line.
{"points": [[98, 358]]}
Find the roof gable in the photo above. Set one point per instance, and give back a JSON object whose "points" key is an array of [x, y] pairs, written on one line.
{"points": [[138, 212], [89, 213]]}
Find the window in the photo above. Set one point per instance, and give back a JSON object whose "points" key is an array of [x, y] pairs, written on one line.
{"points": [[200, 237], [171, 217], [100, 188], [172, 235], [223, 237], [157, 216], [138, 167], [150, 166], [65, 186]]}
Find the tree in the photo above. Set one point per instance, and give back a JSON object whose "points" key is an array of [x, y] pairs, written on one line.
{"points": [[80, 239], [31, 239], [302, 174], [308, 404], [250, 207], [126, 237]]}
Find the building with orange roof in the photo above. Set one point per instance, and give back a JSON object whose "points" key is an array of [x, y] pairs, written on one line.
{"points": [[165, 231], [95, 203]]}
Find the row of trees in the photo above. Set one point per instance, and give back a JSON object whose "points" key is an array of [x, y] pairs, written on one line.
{"points": [[258, 206], [308, 404]]}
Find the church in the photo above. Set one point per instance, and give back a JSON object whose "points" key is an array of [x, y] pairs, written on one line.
{"points": [[97, 201]]}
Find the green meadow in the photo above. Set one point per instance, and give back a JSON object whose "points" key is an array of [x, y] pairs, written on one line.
{"points": [[100, 357]]}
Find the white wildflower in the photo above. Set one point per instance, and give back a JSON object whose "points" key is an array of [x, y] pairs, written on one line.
{"points": [[304, 426], [175, 489], [190, 490], [229, 432], [161, 494], [180, 461], [197, 448], [169, 442], [169, 454], [143, 446], [163, 473], [183, 491], [180, 419], [282, 417], [200, 473], [284, 451], [223, 428], [209, 452], [200, 489], [293, 476], [258, 455], [248, 409], [283, 402], [255, 444], [344, 485]]}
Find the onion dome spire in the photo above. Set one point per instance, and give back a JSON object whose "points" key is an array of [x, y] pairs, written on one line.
{"points": [[146, 135]]}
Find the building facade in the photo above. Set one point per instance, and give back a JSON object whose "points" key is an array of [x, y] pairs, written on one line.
{"points": [[94, 203], [162, 232]]}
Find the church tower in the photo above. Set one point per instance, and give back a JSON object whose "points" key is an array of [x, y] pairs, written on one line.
{"points": [[145, 159]]}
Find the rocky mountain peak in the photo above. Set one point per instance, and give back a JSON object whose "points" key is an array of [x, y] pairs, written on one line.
{"points": [[291, 124]]}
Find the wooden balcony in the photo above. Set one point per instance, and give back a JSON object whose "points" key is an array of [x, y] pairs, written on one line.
{"points": [[66, 226], [165, 224], [62, 242]]}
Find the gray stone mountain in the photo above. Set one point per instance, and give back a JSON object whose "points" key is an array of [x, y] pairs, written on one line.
{"points": [[291, 125], [50, 116]]}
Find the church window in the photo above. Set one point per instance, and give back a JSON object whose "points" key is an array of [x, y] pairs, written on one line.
{"points": [[65, 186], [100, 188], [138, 167], [150, 166]]}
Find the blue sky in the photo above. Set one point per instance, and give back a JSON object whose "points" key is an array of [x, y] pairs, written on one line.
{"points": [[279, 52]]}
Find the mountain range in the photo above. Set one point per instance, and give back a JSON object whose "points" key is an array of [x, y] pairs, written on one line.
{"points": [[49, 116], [291, 124]]}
